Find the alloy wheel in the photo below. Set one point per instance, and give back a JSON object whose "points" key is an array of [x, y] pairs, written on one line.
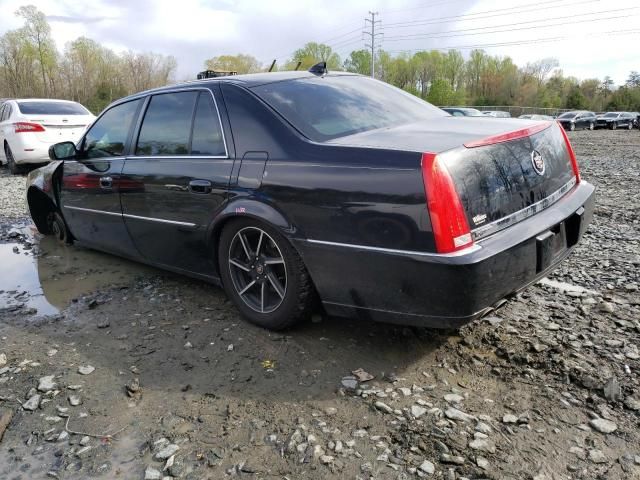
{"points": [[258, 270]]}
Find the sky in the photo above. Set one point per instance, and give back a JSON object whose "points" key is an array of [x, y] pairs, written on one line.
{"points": [[590, 38]]}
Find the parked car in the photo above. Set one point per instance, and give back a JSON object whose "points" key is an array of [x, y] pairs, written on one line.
{"points": [[29, 126], [614, 120], [577, 119], [496, 114], [535, 116], [290, 186], [636, 119], [463, 111]]}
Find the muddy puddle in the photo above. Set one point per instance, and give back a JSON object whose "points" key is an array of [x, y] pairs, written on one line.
{"points": [[46, 283]]}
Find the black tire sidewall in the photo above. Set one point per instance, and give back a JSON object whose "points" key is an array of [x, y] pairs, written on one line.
{"points": [[289, 310], [58, 228], [11, 162]]}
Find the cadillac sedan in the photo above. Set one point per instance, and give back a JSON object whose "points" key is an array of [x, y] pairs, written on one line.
{"points": [[303, 190]]}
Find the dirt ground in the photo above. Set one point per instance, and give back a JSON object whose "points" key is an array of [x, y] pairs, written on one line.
{"points": [[113, 370]]}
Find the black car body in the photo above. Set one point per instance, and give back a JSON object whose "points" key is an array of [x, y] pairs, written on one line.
{"points": [[577, 120], [380, 204], [463, 111], [615, 120]]}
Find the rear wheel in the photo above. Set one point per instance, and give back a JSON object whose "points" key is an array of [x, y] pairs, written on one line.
{"points": [[613, 126], [58, 228], [263, 275], [11, 162], [572, 126], [630, 126], [592, 126]]}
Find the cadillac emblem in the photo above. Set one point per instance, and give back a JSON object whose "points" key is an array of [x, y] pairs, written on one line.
{"points": [[538, 162]]}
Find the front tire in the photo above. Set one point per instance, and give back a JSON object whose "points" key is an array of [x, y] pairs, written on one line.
{"points": [[57, 227], [630, 126], [613, 126], [263, 275], [592, 126], [572, 126]]}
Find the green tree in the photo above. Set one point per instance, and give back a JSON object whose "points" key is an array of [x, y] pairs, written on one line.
{"points": [[441, 93], [358, 61], [38, 33], [240, 63], [576, 99], [313, 53]]}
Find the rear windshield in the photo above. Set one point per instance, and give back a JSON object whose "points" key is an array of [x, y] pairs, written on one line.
{"points": [[324, 108], [52, 108], [611, 115]]}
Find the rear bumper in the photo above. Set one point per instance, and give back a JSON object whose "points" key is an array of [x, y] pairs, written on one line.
{"points": [[29, 150], [447, 291]]}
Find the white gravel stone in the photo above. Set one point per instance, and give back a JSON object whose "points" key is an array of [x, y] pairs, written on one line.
{"points": [[596, 456], [509, 418], [383, 407], [33, 403], [453, 398], [167, 451], [86, 369], [3, 359], [46, 384], [417, 411], [483, 445], [455, 414], [603, 425], [152, 474], [427, 467]]}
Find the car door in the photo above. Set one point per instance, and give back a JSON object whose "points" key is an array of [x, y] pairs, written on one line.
{"points": [[91, 182], [179, 170]]}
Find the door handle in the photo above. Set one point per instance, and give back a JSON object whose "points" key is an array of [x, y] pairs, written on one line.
{"points": [[200, 186], [106, 182]]}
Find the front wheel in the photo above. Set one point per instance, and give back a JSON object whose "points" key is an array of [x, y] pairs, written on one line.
{"points": [[613, 126], [263, 275], [57, 227], [592, 126], [572, 126], [630, 126]]}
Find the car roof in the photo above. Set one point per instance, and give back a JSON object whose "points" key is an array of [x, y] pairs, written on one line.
{"points": [[248, 80]]}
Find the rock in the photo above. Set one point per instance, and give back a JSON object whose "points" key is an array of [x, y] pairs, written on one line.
{"points": [[167, 451], [230, 347], [453, 398], [350, 383], [330, 411], [326, 459], [483, 428], [455, 414], [383, 407], [482, 462], [85, 369], [483, 445], [578, 452], [152, 474], [417, 411], [74, 400], [188, 345], [632, 403], [362, 376], [596, 456], [509, 418], [456, 460], [33, 403], [603, 426], [406, 392], [46, 384], [84, 441], [63, 436], [427, 467], [3, 359], [612, 390]]}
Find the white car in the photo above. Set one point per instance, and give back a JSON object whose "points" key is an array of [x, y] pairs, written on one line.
{"points": [[29, 126]]}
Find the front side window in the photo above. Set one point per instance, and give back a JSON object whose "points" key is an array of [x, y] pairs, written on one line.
{"points": [[167, 124], [108, 135]]}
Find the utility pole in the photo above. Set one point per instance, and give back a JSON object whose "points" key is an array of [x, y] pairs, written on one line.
{"points": [[372, 34]]}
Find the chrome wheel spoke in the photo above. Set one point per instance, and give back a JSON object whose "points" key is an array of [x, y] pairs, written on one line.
{"points": [[244, 245], [273, 261], [249, 285], [275, 283], [259, 243], [262, 297], [239, 265]]}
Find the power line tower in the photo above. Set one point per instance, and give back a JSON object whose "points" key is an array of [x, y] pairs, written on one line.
{"points": [[373, 35]]}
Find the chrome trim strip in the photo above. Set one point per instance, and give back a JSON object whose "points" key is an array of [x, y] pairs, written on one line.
{"points": [[520, 215], [459, 253], [136, 217], [160, 220], [90, 210]]}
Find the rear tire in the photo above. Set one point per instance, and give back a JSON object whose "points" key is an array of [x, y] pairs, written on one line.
{"points": [[11, 162], [630, 126], [58, 228], [592, 126], [613, 126], [263, 275], [572, 126]]}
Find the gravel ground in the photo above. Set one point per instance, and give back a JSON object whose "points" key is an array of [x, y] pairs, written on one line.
{"points": [[12, 189], [179, 386]]}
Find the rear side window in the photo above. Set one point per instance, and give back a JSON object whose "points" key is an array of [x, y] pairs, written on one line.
{"points": [[6, 113], [52, 108], [108, 135], [166, 127], [207, 134], [323, 108]]}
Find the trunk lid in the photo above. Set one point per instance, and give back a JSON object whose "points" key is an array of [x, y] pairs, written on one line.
{"points": [[61, 128]]}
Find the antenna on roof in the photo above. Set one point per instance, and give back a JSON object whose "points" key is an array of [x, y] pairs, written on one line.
{"points": [[319, 68]]}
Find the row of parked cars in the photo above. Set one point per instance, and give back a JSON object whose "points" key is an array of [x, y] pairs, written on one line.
{"points": [[578, 119], [29, 126]]}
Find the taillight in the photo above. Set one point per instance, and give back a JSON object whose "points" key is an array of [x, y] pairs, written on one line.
{"points": [[21, 127], [448, 220], [572, 154]]}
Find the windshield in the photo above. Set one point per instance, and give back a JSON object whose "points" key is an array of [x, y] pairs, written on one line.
{"points": [[52, 108], [611, 115], [568, 115], [324, 108], [472, 112]]}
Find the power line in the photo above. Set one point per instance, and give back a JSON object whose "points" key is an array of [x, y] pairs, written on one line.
{"points": [[474, 31]]}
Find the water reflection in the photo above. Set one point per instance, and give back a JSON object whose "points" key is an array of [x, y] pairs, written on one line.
{"points": [[47, 283]]}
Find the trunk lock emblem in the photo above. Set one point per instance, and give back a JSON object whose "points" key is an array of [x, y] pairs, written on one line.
{"points": [[538, 162]]}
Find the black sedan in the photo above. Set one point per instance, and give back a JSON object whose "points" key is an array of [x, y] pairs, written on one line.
{"points": [[615, 120], [297, 190], [579, 119]]}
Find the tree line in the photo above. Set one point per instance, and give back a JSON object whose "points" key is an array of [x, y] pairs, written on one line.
{"points": [[87, 72]]}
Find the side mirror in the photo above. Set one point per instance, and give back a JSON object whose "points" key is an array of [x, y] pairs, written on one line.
{"points": [[62, 151]]}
